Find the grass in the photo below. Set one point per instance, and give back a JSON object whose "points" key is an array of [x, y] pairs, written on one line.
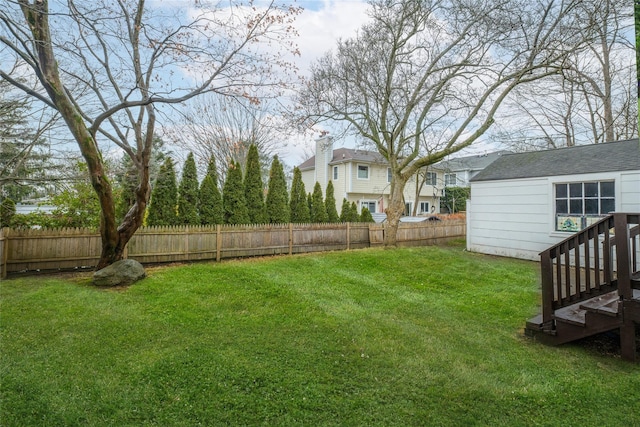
{"points": [[423, 336]]}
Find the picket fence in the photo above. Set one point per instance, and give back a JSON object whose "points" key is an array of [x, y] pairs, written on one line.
{"points": [[29, 250]]}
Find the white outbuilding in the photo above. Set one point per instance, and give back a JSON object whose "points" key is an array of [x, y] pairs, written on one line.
{"points": [[523, 203]]}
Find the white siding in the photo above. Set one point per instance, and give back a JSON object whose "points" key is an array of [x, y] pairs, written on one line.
{"points": [[509, 218], [630, 192], [515, 218]]}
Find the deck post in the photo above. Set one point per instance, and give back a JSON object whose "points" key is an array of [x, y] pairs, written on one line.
{"points": [[546, 270], [628, 340], [622, 255]]}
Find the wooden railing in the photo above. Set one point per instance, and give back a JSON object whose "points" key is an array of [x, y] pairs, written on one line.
{"points": [[600, 258]]}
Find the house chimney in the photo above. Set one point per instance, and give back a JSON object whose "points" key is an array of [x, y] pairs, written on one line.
{"points": [[324, 155]]}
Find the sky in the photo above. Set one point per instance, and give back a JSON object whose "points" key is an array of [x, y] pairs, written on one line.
{"points": [[320, 25]]}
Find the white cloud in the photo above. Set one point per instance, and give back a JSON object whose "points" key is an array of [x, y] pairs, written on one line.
{"points": [[322, 23]]}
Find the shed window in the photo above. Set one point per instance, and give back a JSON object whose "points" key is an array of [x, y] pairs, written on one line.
{"points": [[579, 204]]}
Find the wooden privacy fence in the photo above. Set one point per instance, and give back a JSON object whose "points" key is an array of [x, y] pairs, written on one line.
{"points": [[24, 250]]}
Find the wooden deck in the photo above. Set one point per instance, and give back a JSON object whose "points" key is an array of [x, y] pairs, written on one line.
{"points": [[591, 284]]}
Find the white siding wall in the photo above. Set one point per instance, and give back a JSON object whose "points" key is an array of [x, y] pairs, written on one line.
{"points": [[630, 192], [515, 218]]}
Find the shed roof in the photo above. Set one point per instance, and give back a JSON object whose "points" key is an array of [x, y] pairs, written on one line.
{"points": [[581, 159], [471, 163]]}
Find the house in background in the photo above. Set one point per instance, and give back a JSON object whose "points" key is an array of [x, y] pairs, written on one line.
{"points": [[364, 177], [523, 203], [459, 171]]}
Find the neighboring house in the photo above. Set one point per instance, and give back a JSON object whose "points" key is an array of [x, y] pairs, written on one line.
{"points": [[364, 177], [459, 171], [523, 203]]}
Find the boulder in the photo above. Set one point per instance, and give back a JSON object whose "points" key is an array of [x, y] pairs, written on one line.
{"points": [[120, 273]]}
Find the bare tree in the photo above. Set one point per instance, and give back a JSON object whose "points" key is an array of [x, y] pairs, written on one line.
{"points": [[428, 77], [107, 67], [223, 128], [593, 100]]}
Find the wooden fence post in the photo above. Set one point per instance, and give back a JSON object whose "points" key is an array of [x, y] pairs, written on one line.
{"points": [[4, 259], [290, 238], [218, 242], [348, 235], [186, 241]]}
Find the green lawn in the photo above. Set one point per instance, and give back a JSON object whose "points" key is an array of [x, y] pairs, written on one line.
{"points": [[425, 336]]}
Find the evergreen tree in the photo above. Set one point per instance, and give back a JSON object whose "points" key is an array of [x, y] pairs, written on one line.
{"points": [[354, 217], [164, 198], [318, 209], [298, 204], [127, 177], [188, 193], [330, 204], [365, 215], [7, 211], [210, 199], [309, 203], [254, 188], [345, 211], [235, 205], [277, 198]]}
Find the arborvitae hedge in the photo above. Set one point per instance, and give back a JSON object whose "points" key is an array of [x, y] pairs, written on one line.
{"points": [[164, 197], [330, 204], [345, 211], [235, 205], [210, 199], [298, 204], [277, 198], [365, 215], [254, 188], [318, 208], [188, 193], [354, 217]]}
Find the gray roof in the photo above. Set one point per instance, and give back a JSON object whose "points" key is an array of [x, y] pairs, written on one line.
{"points": [[346, 155], [471, 163], [581, 159]]}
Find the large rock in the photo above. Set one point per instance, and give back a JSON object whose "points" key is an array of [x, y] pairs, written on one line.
{"points": [[120, 273]]}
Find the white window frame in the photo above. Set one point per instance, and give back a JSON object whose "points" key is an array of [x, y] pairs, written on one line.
{"points": [[584, 218], [388, 175], [447, 179], [434, 178], [421, 206], [366, 167], [408, 208], [367, 204]]}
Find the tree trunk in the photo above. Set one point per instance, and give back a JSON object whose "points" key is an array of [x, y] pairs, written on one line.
{"points": [[394, 211], [114, 239]]}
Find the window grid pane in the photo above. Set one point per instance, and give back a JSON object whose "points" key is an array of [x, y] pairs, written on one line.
{"points": [[574, 202]]}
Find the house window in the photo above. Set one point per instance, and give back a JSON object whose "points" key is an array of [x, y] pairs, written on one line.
{"points": [[408, 208], [450, 179], [335, 173], [424, 207], [369, 205], [363, 172], [578, 204], [388, 174], [431, 178]]}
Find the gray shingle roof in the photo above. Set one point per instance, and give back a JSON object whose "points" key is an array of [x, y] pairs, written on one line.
{"points": [[346, 155], [471, 163], [581, 159]]}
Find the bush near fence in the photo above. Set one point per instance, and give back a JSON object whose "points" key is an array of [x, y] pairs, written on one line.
{"points": [[28, 250]]}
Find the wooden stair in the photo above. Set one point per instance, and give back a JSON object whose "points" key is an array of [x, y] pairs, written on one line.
{"points": [[591, 284]]}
